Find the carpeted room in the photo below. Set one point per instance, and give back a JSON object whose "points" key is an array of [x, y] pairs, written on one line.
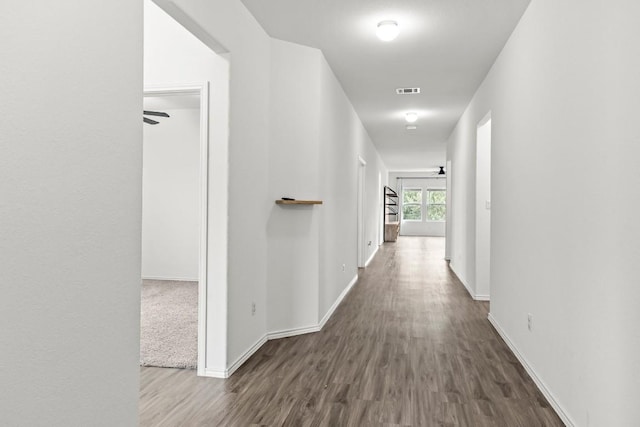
{"points": [[170, 232]]}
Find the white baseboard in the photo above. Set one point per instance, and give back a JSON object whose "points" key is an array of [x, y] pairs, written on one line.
{"points": [[461, 279], [464, 283], [286, 333], [171, 279], [533, 374], [215, 373], [366, 264], [337, 302], [245, 356]]}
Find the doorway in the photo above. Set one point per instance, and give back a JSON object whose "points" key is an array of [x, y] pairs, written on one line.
{"points": [[380, 214], [174, 227], [362, 247], [483, 209], [449, 216]]}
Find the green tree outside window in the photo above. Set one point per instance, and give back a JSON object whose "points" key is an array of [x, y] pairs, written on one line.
{"points": [[436, 205], [412, 204]]}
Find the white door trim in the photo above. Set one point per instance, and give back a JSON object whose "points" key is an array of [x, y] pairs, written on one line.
{"points": [[362, 164], [482, 283], [201, 89]]}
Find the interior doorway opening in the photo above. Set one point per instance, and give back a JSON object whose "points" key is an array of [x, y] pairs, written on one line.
{"points": [[174, 227], [483, 209], [447, 250], [362, 247]]}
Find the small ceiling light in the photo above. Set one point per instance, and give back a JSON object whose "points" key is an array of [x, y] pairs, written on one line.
{"points": [[387, 30], [412, 127], [411, 117], [442, 172]]}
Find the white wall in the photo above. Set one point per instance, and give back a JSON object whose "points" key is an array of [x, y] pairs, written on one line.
{"points": [[71, 142], [424, 227], [230, 25], [170, 196], [564, 97], [173, 56], [316, 138], [293, 231], [483, 211], [263, 125], [342, 139]]}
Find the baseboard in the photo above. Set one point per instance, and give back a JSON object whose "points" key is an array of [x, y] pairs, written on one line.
{"points": [[464, 283], [245, 356], [337, 302], [461, 279], [533, 374], [170, 279], [366, 264], [286, 333], [214, 373], [279, 334]]}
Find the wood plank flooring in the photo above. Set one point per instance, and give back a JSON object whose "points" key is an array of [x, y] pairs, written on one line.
{"points": [[407, 347]]}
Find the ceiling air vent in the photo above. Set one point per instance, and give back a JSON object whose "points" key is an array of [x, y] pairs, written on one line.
{"points": [[408, 90]]}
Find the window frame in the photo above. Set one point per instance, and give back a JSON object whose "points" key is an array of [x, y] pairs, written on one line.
{"points": [[427, 204], [419, 204]]}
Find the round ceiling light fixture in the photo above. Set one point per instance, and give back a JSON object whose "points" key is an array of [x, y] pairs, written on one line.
{"points": [[387, 30], [411, 117]]}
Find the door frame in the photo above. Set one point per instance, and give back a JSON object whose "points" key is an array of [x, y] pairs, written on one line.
{"points": [[483, 225], [449, 213], [362, 178], [202, 90]]}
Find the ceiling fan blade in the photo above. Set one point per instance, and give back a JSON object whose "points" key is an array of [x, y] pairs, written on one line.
{"points": [[155, 113], [149, 121]]}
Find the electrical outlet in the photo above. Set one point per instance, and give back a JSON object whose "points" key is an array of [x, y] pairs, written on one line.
{"points": [[529, 321], [344, 266], [487, 205], [369, 244], [253, 308]]}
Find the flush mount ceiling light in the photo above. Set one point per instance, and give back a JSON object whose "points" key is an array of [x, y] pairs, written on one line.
{"points": [[387, 30], [411, 117]]}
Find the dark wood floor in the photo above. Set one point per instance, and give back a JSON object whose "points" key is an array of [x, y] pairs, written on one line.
{"points": [[406, 347]]}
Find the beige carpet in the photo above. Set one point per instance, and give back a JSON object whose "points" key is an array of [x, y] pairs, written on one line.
{"points": [[169, 324]]}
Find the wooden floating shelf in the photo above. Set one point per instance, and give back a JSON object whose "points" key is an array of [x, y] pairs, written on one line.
{"points": [[298, 202]]}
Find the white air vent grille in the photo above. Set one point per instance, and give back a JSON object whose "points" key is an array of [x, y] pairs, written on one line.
{"points": [[407, 90]]}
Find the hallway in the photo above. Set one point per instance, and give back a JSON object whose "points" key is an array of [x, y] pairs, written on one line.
{"points": [[408, 346]]}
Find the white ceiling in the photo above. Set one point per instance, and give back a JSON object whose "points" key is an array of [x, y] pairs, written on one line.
{"points": [[445, 47], [171, 102]]}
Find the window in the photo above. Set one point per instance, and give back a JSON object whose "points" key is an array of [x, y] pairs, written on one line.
{"points": [[436, 205], [412, 204]]}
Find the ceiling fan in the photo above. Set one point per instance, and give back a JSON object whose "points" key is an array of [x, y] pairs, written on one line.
{"points": [[152, 113], [438, 174]]}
